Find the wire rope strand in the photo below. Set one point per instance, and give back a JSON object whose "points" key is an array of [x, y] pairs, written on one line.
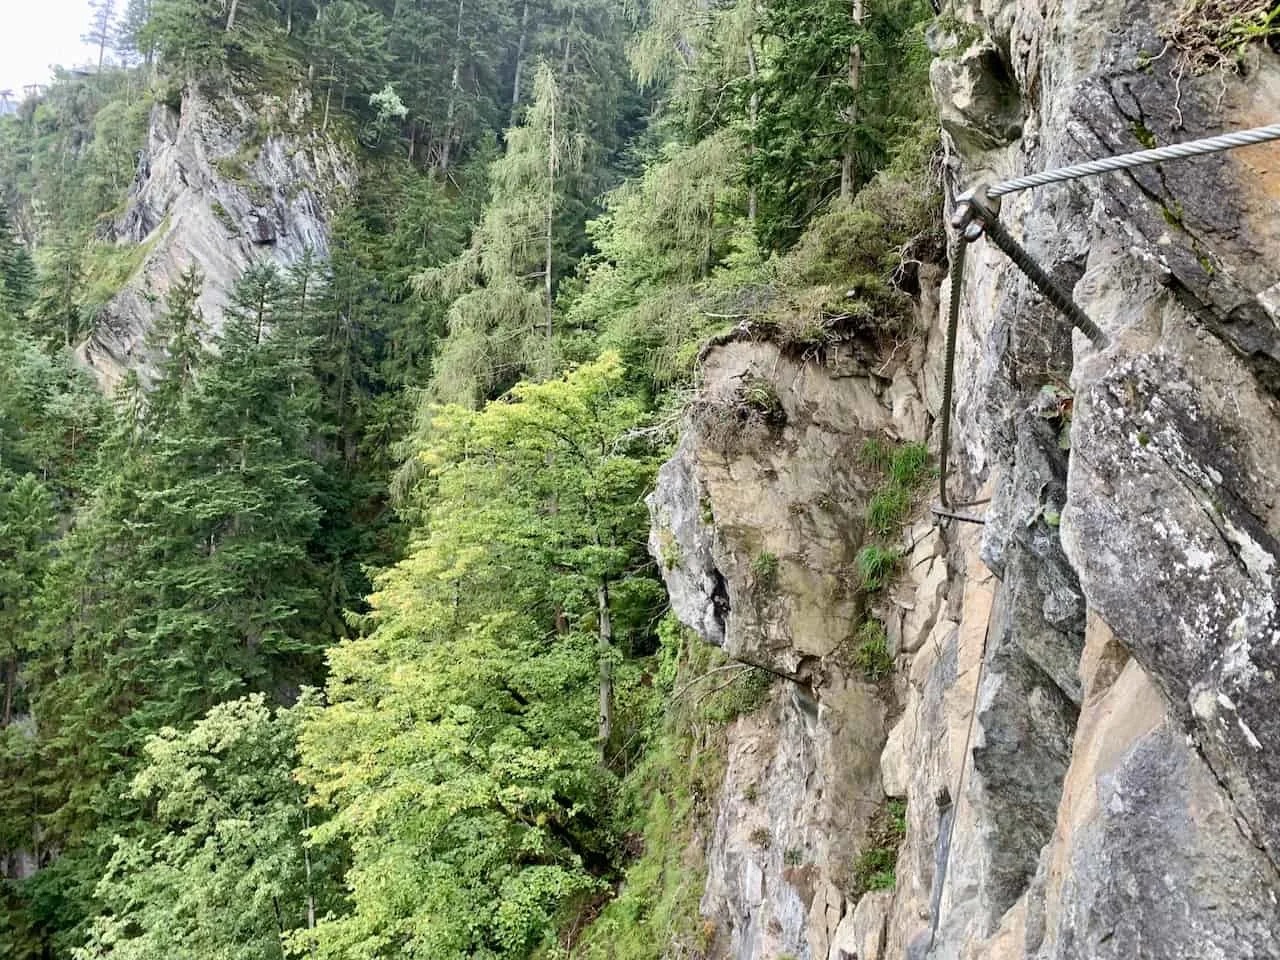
{"points": [[1042, 281], [1125, 161], [949, 368]]}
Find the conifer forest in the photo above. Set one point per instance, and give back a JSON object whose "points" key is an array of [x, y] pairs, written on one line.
{"points": [[329, 627]]}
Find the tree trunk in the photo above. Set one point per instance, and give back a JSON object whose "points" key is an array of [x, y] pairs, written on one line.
{"points": [[709, 247], [10, 682], [753, 117], [568, 41], [328, 95], [605, 649], [551, 213], [306, 862], [275, 905], [851, 114], [524, 37], [455, 84]]}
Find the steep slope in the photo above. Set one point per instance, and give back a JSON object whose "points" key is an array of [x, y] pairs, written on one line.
{"points": [[221, 183], [1088, 729]]}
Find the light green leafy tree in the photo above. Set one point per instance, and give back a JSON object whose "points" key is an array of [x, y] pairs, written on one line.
{"points": [[461, 751], [220, 868]]}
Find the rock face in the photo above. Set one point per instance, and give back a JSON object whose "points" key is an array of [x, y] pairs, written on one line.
{"points": [[758, 517], [220, 184], [756, 522], [1085, 723]]}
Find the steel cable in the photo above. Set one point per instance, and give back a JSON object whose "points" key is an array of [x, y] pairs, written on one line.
{"points": [[1125, 161], [1043, 282], [1060, 299], [949, 368]]}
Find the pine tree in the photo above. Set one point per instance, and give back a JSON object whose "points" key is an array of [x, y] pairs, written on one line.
{"points": [[132, 41], [102, 27], [17, 271], [176, 344], [349, 44], [186, 581], [58, 311], [835, 91]]}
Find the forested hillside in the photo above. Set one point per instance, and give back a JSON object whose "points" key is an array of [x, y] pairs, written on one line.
{"points": [[330, 630]]}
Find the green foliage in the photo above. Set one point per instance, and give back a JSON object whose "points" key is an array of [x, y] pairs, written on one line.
{"points": [[876, 564], [500, 730], [909, 465], [764, 570], [105, 269], [903, 469], [501, 316], [875, 868], [17, 271], [1208, 34], [220, 866], [66, 162], [460, 754], [823, 107], [887, 508], [762, 397], [875, 454], [185, 579], [668, 801], [871, 652]]}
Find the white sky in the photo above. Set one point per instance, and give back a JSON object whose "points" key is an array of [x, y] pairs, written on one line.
{"points": [[34, 34]]}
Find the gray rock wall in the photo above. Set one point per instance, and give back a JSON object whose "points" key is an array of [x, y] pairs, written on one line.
{"points": [[220, 184], [768, 468], [1084, 717]]}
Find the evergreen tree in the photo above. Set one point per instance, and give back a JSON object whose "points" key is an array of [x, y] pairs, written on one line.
{"points": [[176, 345], [58, 311], [102, 27], [133, 43], [349, 43], [835, 91], [501, 320], [17, 271], [186, 581]]}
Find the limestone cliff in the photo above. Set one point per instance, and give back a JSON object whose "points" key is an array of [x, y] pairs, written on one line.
{"points": [[1084, 721], [221, 182]]}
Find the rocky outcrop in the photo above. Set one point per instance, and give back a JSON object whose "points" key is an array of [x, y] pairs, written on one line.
{"points": [[758, 516], [801, 788], [221, 183], [1134, 489], [1083, 723], [757, 519]]}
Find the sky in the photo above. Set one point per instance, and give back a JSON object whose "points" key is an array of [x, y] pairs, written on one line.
{"points": [[37, 33]]}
